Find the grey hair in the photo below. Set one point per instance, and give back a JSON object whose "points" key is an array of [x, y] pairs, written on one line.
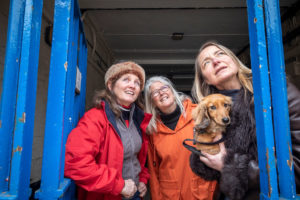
{"points": [[150, 107]]}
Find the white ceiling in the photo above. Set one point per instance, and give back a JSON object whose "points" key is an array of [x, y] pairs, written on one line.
{"points": [[141, 30]]}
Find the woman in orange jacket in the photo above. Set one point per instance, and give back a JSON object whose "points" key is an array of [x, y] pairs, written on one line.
{"points": [[168, 161]]}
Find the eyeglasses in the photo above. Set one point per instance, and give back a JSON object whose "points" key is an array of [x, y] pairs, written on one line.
{"points": [[155, 93]]}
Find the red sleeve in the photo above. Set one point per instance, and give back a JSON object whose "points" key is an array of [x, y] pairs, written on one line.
{"points": [[144, 174], [82, 147]]}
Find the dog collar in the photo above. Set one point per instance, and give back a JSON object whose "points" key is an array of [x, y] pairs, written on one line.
{"points": [[196, 151]]}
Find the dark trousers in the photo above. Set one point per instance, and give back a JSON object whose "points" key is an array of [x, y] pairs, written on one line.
{"points": [[135, 197]]}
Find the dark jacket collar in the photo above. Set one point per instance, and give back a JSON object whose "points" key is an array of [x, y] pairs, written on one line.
{"points": [[138, 116]]}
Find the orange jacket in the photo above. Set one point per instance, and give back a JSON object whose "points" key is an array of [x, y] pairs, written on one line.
{"points": [[170, 174]]}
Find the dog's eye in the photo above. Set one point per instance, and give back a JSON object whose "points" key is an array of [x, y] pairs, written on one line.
{"points": [[213, 107], [226, 105]]}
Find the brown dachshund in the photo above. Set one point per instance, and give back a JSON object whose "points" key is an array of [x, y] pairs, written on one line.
{"points": [[211, 118]]}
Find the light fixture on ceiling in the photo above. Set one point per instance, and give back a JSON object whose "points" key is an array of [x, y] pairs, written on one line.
{"points": [[183, 76], [177, 36]]}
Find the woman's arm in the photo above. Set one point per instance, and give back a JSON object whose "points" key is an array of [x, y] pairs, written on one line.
{"points": [[82, 147]]}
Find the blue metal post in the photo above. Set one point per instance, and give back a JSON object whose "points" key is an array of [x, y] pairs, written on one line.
{"points": [[80, 98], [263, 112], [70, 87], [9, 91], [61, 98], [52, 187], [279, 101], [26, 94], [82, 62], [84, 72], [26, 98]]}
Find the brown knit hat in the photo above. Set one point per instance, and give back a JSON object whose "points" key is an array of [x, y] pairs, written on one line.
{"points": [[123, 68]]}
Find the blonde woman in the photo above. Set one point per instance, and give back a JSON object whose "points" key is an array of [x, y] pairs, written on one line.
{"points": [[218, 70], [170, 175]]}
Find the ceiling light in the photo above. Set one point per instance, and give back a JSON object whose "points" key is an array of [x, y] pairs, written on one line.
{"points": [[177, 36], [183, 76]]}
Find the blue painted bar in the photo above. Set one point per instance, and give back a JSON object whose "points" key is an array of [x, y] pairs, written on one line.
{"points": [[70, 86], [80, 98], [9, 91], [26, 98], [262, 101], [84, 75], [61, 107], [53, 139], [77, 106], [279, 100]]}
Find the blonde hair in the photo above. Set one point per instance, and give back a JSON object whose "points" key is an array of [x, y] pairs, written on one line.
{"points": [[201, 88], [150, 107]]}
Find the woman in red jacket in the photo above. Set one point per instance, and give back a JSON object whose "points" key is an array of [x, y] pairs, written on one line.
{"points": [[106, 152]]}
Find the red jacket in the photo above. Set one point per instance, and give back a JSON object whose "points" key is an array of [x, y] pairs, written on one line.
{"points": [[94, 154]]}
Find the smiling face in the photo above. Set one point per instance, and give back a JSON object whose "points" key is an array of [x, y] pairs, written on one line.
{"points": [[162, 98], [126, 88], [218, 68]]}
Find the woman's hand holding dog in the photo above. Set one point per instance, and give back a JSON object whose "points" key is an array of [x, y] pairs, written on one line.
{"points": [[215, 161]]}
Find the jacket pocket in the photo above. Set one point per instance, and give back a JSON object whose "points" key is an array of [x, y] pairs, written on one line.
{"points": [[202, 189], [169, 190]]}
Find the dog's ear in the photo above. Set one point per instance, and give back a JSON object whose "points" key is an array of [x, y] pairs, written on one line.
{"points": [[200, 114], [228, 100], [202, 125]]}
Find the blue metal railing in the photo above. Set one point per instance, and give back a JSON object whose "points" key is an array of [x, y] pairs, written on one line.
{"points": [[262, 101], [281, 124], [10, 83], [18, 97], [267, 56], [64, 106]]}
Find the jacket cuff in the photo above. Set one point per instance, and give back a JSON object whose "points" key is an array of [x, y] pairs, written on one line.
{"points": [[118, 187], [144, 180]]}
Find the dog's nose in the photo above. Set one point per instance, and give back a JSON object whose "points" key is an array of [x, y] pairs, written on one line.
{"points": [[225, 120]]}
